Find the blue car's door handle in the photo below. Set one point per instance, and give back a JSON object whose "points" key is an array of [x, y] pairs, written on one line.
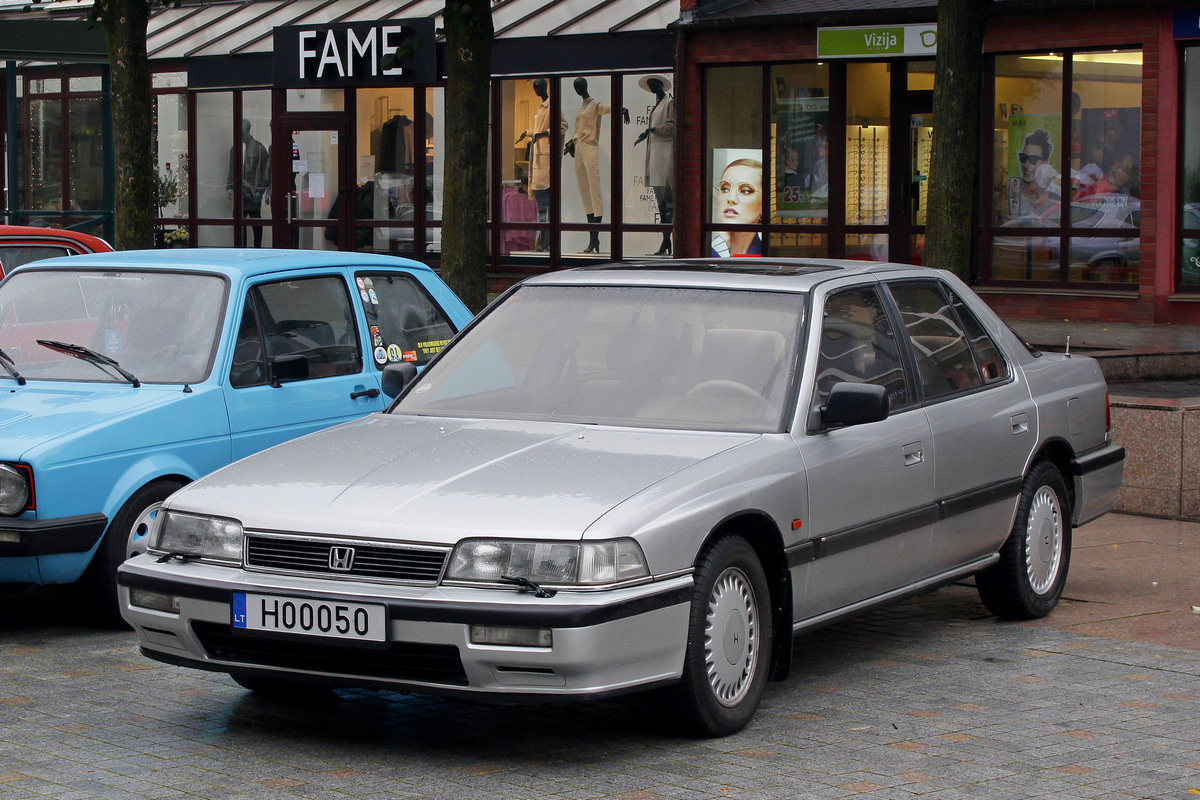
{"points": [[364, 393]]}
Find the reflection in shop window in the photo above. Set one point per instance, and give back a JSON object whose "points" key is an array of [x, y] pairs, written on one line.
{"points": [[1081, 172], [1189, 244]]}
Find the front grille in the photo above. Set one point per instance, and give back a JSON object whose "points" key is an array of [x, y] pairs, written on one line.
{"points": [[372, 561], [399, 661]]}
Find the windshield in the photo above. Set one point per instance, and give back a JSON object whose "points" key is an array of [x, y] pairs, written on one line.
{"points": [[160, 326], [702, 359]]}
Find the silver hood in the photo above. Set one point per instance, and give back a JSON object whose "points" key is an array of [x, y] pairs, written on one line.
{"points": [[439, 480]]}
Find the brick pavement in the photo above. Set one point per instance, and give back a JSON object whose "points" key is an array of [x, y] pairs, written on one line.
{"points": [[933, 698]]}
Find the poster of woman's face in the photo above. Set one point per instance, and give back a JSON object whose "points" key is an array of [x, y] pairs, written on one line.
{"points": [[738, 199]]}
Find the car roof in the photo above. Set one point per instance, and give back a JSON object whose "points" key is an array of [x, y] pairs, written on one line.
{"points": [[779, 274], [234, 263], [33, 234]]}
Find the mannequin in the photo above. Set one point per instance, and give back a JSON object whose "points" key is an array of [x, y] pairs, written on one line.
{"points": [[660, 151], [584, 146], [539, 157]]}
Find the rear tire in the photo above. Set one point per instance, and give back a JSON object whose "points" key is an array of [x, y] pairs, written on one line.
{"points": [[1028, 580], [126, 536], [730, 633]]}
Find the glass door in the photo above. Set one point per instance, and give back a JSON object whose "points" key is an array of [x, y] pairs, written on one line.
{"points": [[317, 214]]}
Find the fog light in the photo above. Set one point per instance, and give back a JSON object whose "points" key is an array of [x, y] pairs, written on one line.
{"points": [[10, 536], [155, 601], [512, 637]]}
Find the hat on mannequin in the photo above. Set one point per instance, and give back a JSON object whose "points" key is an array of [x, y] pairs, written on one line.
{"points": [[644, 82]]}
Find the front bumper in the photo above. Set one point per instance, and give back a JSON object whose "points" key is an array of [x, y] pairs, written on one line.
{"points": [[1097, 477], [45, 537], [603, 642]]}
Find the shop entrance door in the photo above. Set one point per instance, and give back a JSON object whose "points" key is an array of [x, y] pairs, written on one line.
{"points": [[917, 112], [315, 201]]}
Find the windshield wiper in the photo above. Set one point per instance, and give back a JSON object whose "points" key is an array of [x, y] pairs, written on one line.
{"points": [[11, 366], [91, 356]]}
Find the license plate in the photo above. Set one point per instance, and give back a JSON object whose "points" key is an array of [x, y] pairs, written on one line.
{"points": [[305, 616]]}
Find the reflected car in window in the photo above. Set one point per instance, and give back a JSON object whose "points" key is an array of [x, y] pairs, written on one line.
{"points": [[645, 476], [1110, 258], [131, 374], [20, 244]]}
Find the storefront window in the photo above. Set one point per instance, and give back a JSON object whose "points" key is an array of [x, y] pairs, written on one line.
{"points": [[86, 153], [388, 148], [868, 128], [316, 100], [648, 159], [172, 155], [586, 176], [525, 169], [734, 167], [1189, 245], [800, 144], [256, 170], [43, 132], [1089, 160], [214, 142]]}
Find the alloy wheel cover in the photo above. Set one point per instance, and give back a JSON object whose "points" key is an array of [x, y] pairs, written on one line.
{"points": [[731, 637]]}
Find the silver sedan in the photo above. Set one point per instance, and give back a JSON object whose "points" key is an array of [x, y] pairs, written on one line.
{"points": [[642, 477]]}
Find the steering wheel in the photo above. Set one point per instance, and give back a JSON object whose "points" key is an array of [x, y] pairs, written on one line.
{"points": [[858, 331], [725, 388]]}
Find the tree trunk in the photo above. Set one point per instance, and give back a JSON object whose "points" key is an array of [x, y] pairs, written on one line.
{"points": [[954, 160], [125, 24], [469, 34]]}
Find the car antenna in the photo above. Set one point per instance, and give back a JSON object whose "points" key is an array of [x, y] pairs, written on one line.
{"points": [[1067, 352]]}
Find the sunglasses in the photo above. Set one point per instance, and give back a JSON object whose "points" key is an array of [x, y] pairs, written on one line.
{"points": [[744, 190], [1029, 159]]}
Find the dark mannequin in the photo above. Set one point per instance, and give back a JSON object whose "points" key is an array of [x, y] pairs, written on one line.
{"points": [[587, 165], [541, 194], [662, 131]]}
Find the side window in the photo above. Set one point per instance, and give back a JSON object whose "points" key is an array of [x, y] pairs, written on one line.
{"points": [[858, 345], [944, 359], [987, 355], [311, 317], [405, 323], [249, 362]]}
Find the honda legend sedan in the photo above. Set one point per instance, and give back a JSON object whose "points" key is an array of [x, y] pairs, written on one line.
{"points": [[641, 477]]}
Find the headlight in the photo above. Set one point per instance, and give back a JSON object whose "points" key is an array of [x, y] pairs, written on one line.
{"points": [[14, 490], [552, 563], [193, 535]]}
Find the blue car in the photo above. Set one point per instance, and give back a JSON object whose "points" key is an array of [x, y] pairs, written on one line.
{"points": [[131, 374]]}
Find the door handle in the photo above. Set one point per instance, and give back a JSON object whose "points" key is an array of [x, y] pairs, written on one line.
{"points": [[913, 454], [1020, 424], [364, 393], [292, 202]]}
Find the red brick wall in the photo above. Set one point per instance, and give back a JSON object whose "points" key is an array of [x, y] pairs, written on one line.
{"points": [[1137, 27]]}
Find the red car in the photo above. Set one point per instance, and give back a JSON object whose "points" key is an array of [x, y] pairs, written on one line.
{"points": [[20, 244]]}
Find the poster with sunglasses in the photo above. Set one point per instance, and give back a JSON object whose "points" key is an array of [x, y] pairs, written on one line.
{"points": [[802, 160], [1034, 184]]}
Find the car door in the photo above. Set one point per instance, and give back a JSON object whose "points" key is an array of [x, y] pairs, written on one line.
{"points": [[982, 417], [870, 486], [298, 362]]}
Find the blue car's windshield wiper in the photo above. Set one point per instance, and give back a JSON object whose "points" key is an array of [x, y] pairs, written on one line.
{"points": [[11, 366], [89, 355]]}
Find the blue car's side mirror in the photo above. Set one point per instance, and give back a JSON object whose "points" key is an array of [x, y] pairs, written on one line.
{"points": [[397, 377]]}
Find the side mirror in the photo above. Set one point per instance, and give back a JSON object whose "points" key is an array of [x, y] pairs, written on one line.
{"points": [[397, 377], [854, 404], [291, 367]]}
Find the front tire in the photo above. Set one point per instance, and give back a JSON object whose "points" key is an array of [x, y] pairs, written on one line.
{"points": [[126, 537], [730, 634], [1027, 582]]}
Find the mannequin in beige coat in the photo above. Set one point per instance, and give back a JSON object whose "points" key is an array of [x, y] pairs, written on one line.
{"points": [[660, 151]]}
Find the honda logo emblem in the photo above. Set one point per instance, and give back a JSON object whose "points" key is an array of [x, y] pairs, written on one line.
{"points": [[341, 559]]}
